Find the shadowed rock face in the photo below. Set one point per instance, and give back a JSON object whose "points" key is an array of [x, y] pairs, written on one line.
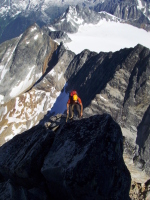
{"points": [[118, 84], [82, 160]]}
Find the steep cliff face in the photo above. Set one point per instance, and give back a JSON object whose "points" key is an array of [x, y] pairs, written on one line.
{"points": [[80, 159]]}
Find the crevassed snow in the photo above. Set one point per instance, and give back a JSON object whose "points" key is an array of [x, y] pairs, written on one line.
{"points": [[107, 36]]}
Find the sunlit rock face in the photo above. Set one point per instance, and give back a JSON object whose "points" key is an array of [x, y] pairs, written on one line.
{"points": [[22, 62], [32, 77]]}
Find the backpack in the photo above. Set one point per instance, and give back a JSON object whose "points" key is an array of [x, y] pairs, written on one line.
{"points": [[73, 94]]}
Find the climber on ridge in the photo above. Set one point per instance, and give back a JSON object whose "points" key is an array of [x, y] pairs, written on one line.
{"points": [[74, 102]]}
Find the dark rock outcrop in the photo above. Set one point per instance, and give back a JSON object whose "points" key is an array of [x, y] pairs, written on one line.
{"points": [[84, 161]]}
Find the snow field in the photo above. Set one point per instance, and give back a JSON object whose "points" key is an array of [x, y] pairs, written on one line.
{"points": [[107, 36]]}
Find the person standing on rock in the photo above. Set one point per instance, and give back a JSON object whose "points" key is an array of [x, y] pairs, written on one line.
{"points": [[74, 102]]}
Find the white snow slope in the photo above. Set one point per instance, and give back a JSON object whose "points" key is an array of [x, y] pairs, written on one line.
{"points": [[107, 36]]}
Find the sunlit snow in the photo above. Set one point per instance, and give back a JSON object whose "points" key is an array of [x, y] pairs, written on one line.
{"points": [[52, 72], [140, 6], [107, 36], [103, 98], [33, 29], [36, 37], [60, 75], [51, 28], [9, 137]]}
